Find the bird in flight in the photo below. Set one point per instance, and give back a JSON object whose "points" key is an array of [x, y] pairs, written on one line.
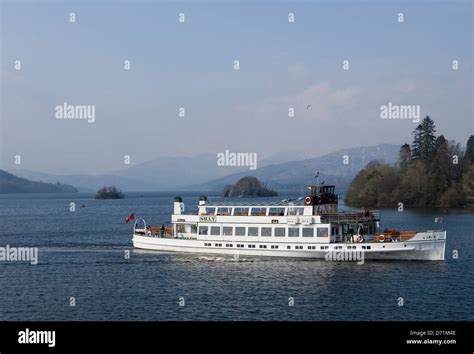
{"points": [[307, 107]]}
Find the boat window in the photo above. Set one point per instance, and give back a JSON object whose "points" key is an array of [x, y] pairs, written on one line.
{"points": [[299, 211], [258, 211], [322, 232], [280, 232], [308, 232], [291, 210], [203, 230], [186, 228], [374, 228], [266, 231], [345, 229], [227, 230], [293, 231], [240, 231], [276, 211], [210, 211], [253, 231], [223, 211], [241, 211], [215, 230]]}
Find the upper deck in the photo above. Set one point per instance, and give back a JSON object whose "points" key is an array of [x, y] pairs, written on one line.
{"points": [[284, 208]]}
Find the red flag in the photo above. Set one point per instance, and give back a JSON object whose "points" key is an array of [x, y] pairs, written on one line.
{"points": [[129, 218]]}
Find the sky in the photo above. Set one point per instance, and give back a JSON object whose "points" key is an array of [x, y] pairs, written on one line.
{"points": [[190, 64]]}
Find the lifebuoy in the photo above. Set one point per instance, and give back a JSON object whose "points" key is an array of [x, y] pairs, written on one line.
{"points": [[360, 238], [308, 200], [381, 238]]}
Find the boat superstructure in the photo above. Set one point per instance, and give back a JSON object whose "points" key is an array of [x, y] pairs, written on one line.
{"points": [[309, 227]]}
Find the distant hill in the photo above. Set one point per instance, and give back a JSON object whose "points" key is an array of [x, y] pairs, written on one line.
{"points": [[90, 183], [12, 184], [293, 176]]}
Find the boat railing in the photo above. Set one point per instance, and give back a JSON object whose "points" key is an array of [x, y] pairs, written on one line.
{"points": [[352, 216], [391, 235], [157, 231]]}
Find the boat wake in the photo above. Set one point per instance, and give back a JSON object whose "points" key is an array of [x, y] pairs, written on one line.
{"points": [[226, 259]]}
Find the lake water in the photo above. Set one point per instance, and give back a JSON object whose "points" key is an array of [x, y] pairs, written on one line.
{"points": [[81, 255]]}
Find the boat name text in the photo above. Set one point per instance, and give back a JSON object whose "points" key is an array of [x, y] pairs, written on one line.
{"points": [[207, 219]]}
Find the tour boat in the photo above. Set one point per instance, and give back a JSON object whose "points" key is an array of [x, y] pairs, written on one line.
{"points": [[309, 227]]}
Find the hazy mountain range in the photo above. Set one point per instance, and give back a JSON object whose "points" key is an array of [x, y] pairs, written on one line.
{"points": [[13, 184], [293, 176], [202, 172]]}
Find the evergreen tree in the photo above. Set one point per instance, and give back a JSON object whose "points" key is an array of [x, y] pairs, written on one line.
{"points": [[404, 157], [469, 155], [440, 140], [456, 156], [440, 167], [424, 141], [468, 182]]}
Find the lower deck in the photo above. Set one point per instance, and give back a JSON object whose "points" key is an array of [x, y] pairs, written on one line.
{"points": [[422, 249], [280, 233]]}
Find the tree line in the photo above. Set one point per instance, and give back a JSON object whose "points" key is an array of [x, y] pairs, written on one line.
{"points": [[432, 172]]}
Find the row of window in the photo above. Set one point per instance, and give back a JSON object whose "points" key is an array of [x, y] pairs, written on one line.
{"points": [[287, 247], [263, 231], [267, 231], [256, 211]]}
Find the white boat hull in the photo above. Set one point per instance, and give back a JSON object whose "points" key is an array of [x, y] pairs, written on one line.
{"points": [[418, 249]]}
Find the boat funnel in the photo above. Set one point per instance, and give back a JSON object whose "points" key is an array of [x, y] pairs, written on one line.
{"points": [[178, 206]]}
